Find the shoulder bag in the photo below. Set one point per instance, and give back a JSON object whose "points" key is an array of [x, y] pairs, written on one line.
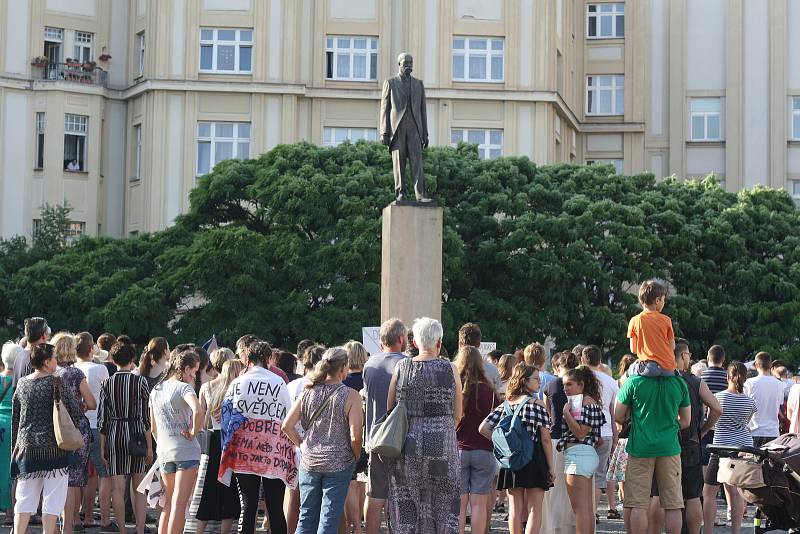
{"points": [[316, 413], [204, 436], [137, 446], [68, 437], [388, 435]]}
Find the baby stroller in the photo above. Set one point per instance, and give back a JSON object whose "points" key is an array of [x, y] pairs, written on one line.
{"points": [[769, 478]]}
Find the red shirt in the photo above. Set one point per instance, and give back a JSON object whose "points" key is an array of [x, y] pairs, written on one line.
{"points": [[480, 403], [280, 373]]}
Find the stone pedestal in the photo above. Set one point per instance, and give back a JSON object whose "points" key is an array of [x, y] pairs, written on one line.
{"points": [[411, 262]]}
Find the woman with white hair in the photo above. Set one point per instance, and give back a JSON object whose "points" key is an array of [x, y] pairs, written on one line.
{"points": [[10, 352], [424, 482]]}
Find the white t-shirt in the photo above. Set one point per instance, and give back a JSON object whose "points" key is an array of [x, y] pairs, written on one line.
{"points": [[767, 392], [173, 415], [610, 390], [296, 387], [95, 375], [492, 374], [793, 405]]}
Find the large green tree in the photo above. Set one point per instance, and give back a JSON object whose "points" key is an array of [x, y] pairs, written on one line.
{"points": [[288, 246]]}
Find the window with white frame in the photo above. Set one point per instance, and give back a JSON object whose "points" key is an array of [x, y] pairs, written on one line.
{"points": [[83, 46], [75, 142], [605, 95], [140, 54], [75, 230], [617, 163], [796, 118], [53, 41], [137, 154], [218, 141], [478, 59], [490, 142], [605, 21], [226, 50], [41, 122], [794, 190], [334, 136], [705, 117], [351, 58]]}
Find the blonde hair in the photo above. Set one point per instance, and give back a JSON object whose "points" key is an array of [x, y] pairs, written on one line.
{"points": [[231, 369], [220, 356], [332, 361], [505, 367], [534, 355], [66, 348], [356, 354]]}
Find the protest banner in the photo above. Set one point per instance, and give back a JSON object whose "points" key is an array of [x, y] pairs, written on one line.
{"points": [[371, 339]]}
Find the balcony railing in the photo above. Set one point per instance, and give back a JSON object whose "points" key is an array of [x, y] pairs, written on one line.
{"points": [[71, 72]]}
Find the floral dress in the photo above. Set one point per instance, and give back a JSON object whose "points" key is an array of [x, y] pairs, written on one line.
{"points": [[71, 378]]}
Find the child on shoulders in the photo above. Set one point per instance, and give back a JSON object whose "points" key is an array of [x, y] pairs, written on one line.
{"points": [[652, 338]]}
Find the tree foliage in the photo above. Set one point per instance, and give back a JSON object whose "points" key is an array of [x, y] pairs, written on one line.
{"points": [[287, 246]]}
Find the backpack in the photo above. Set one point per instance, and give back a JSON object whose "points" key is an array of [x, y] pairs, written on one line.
{"points": [[513, 445]]}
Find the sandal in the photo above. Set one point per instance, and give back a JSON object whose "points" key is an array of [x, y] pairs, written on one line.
{"points": [[614, 514]]}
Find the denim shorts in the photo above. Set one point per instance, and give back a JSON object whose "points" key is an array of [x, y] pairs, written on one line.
{"points": [[478, 471], [170, 468], [94, 454], [580, 460]]}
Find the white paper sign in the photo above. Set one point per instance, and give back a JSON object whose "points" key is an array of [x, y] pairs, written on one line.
{"points": [[371, 339], [487, 347]]}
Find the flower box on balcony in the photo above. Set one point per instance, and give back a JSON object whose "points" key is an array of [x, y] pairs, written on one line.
{"points": [[89, 66], [39, 62], [104, 57]]}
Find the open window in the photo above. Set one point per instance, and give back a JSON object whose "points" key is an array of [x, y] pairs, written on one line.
{"points": [[75, 142]]}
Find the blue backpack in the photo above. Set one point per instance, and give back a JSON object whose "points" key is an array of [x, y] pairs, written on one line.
{"points": [[513, 445]]}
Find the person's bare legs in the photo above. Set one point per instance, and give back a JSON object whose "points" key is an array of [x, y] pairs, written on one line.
{"points": [[611, 494], [139, 502], [372, 514], [353, 505], [68, 516], [673, 521], [105, 500], [516, 510], [225, 526], [709, 507], [49, 524], [462, 514], [636, 520], [87, 499], [694, 515], [737, 508], [168, 481], [181, 495], [477, 505], [118, 500], [534, 497], [580, 496], [291, 509], [21, 522]]}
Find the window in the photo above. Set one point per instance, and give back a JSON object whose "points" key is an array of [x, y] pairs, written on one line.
{"points": [[605, 21], [477, 59], [617, 163], [490, 142], [75, 230], [137, 154], [53, 39], [351, 58], [226, 50], [796, 118], [336, 136], [605, 95], [705, 118], [794, 190], [140, 42], [217, 141], [40, 125], [75, 131], [83, 47]]}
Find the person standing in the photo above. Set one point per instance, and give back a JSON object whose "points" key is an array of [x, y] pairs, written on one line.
{"points": [[767, 392], [377, 376], [331, 415], [534, 355], [175, 419], [123, 413], [592, 357], [75, 385], [11, 351], [731, 429], [424, 481], [37, 332], [154, 361], [357, 357], [715, 377], [793, 409], [41, 467], [469, 335]]}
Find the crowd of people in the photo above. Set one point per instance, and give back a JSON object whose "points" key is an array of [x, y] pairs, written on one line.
{"points": [[260, 428]]}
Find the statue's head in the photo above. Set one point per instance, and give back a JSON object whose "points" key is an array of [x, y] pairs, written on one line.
{"points": [[406, 63]]}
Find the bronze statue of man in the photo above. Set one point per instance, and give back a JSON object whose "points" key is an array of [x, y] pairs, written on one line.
{"points": [[404, 127]]}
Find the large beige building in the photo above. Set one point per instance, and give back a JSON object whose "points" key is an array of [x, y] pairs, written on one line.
{"points": [[157, 91]]}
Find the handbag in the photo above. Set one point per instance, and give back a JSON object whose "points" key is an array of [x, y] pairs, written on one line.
{"points": [[68, 437], [741, 472], [137, 446], [388, 435], [204, 436]]}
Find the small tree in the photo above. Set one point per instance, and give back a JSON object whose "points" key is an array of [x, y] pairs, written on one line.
{"points": [[50, 235]]}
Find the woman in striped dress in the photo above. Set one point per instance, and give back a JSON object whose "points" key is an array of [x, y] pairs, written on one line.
{"points": [[124, 399]]}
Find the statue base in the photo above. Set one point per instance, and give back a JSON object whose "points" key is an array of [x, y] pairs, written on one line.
{"points": [[411, 261]]}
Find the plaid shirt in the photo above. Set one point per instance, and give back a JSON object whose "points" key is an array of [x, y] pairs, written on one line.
{"points": [[534, 416], [592, 416]]}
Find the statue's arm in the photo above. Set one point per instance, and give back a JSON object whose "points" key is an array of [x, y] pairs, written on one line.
{"points": [[424, 113], [386, 113]]}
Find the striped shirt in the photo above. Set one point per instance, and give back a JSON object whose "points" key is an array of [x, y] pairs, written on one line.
{"points": [[715, 378], [731, 429]]}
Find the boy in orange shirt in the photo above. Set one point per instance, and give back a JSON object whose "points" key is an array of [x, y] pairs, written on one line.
{"points": [[651, 334]]}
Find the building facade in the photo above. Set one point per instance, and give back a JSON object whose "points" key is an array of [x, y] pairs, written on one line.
{"points": [[155, 92]]}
